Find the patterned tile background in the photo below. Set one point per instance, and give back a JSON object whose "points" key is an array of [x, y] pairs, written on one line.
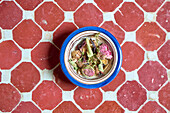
{"points": [[31, 35]]}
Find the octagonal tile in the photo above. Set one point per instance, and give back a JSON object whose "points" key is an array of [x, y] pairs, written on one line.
{"points": [[131, 95], [87, 98], [120, 78], [164, 54], [47, 95], [108, 5], [10, 54], [164, 96], [62, 80], [63, 32], [115, 30], [88, 15], [49, 16], [27, 34], [109, 107], [10, 14], [150, 36], [152, 75], [29, 4], [10, 97], [25, 77], [129, 16], [45, 55], [163, 16], [67, 107], [133, 56], [26, 107]]}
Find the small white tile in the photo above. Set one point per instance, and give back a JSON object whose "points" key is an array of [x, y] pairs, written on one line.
{"points": [[153, 95], [47, 36], [7, 35], [129, 0], [132, 76], [109, 95], [88, 111], [28, 15], [108, 16], [67, 95], [89, 1], [168, 36], [149, 17], [68, 16], [26, 55], [130, 36], [127, 111], [152, 55], [26, 96], [6, 76], [47, 111], [47, 75], [168, 72]]}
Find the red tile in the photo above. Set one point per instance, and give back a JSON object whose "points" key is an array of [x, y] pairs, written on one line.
{"points": [[27, 34], [109, 107], [63, 32], [47, 95], [163, 16], [150, 5], [131, 95], [154, 36], [29, 4], [45, 55], [120, 78], [163, 54], [69, 5], [62, 80], [115, 30], [88, 15], [164, 97], [10, 14], [10, 97], [129, 16], [87, 98], [108, 5], [67, 107], [152, 75], [25, 77], [133, 56], [10, 54], [49, 16], [152, 107], [26, 107]]}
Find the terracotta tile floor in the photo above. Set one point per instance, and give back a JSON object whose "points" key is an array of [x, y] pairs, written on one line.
{"points": [[31, 35]]}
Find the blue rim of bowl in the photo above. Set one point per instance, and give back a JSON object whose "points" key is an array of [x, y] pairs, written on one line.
{"points": [[119, 53]]}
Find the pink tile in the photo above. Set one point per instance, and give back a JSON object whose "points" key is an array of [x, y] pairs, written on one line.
{"points": [[63, 32], [25, 77], [26, 107], [45, 55], [163, 16], [47, 95], [88, 15], [10, 54], [117, 81], [67, 107], [163, 54], [69, 5], [27, 34], [129, 16], [131, 95], [152, 107], [164, 96], [10, 14], [108, 5], [133, 56], [49, 16], [152, 75], [87, 98], [62, 80], [29, 4], [109, 107], [150, 5], [154, 36], [10, 97], [115, 30]]}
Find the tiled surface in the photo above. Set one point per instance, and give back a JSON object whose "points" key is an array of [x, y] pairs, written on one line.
{"points": [[32, 33]]}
